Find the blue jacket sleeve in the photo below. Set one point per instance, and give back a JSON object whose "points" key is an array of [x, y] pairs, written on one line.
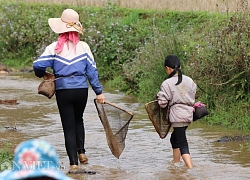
{"points": [[44, 61], [93, 78]]}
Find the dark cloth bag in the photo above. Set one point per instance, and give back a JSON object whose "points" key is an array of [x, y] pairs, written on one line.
{"points": [[200, 112]]}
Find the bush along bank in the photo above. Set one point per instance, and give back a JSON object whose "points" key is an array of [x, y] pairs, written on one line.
{"points": [[130, 45]]}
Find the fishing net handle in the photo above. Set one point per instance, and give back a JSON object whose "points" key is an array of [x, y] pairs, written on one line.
{"points": [[107, 102]]}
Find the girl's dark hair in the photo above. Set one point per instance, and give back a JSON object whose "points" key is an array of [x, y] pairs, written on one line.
{"points": [[173, 62]]}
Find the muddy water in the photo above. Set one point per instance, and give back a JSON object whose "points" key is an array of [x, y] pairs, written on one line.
{"points": [[145, 156]]}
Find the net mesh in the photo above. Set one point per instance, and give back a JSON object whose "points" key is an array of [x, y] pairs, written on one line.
{"points": [[115, 121], [159, 117]]}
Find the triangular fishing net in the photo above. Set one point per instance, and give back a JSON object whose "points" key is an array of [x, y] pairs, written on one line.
{"points": [[159, 117], [115, 121]]}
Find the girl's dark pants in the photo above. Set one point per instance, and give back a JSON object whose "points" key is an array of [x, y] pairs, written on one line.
{"points": [[178, 140], [71, 104]]}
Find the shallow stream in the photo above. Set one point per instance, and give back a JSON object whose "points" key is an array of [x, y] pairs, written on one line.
{"points": [[145, 157]]}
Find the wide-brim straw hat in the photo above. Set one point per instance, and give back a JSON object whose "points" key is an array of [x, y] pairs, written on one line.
{"points": [[69, 21]]}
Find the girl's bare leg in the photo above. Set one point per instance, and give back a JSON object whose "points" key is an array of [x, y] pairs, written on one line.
{"points": [[176, 155], [187, 160]]}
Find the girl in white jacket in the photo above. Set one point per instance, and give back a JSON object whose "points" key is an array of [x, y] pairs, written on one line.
{"points": [[178, 91]]}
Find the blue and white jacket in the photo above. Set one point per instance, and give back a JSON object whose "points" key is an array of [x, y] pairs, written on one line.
{"points": [[73, 67]]}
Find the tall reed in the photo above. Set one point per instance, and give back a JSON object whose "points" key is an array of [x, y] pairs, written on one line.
{"points": [[180, 5]]}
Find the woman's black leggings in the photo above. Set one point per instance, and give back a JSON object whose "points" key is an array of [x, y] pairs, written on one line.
{"points": [[178, 140], [71, 104]]}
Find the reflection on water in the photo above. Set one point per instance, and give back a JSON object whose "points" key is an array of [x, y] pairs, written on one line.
{"points": [[145, 156]]}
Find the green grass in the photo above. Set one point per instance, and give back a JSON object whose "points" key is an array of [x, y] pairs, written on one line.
{"points": [[6, 155]]}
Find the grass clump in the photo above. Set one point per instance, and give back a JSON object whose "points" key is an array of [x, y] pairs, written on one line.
{"points": [[5, 156]]}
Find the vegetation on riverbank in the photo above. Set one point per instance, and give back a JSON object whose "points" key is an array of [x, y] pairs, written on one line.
{"points": [[130, 45], [6, 156]]}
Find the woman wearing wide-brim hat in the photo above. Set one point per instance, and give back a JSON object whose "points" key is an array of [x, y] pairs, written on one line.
{"points": [[73, 66]]}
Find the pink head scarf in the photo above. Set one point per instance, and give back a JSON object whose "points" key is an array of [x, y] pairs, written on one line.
{"points": [[64, 37]]}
